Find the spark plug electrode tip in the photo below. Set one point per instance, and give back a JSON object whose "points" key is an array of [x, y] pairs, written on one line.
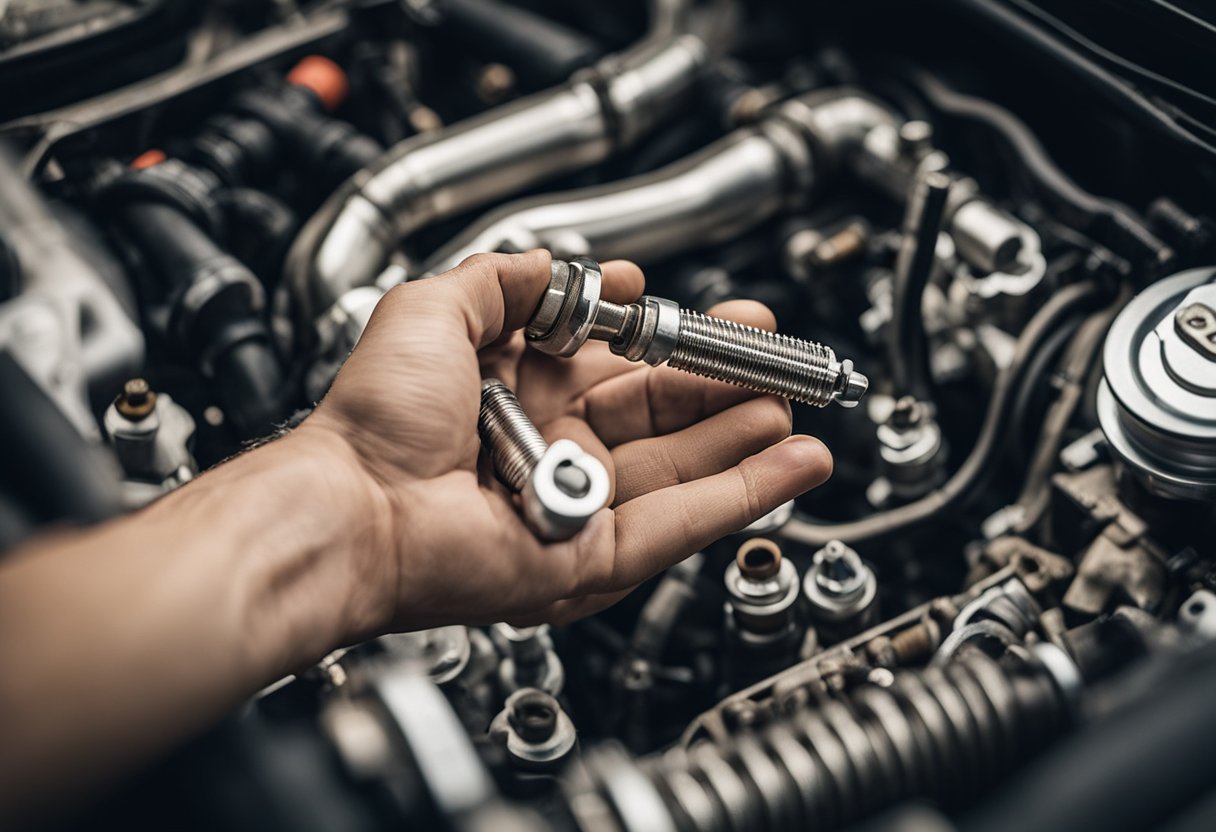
{"points": [[855, 386]]}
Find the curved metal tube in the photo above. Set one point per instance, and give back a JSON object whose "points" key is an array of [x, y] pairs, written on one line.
{"points": [[714, 195], [426, 178]]}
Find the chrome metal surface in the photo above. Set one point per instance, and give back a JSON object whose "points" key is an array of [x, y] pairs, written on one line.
{"points": [[714, 195], [514, 443], [767, 362], [839, 585], [656, 331], [561, 485], [440, 174], [1157, 401]]}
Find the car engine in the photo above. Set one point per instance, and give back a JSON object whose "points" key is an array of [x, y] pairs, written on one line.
{"points": [[991, 222]]}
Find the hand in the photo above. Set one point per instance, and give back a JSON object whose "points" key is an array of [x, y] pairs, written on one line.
{"points": [[690, 459]]}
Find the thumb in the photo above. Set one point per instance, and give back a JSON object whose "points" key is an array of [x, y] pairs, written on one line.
{"points": [[494, 293]]}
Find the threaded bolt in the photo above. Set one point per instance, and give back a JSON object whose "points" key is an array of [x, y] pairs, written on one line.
{"points": [[657, 331], [562, 485], [514, 443]]}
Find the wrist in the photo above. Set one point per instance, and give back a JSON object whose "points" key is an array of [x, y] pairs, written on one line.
{"points": [[360, 526], [300, 530]]}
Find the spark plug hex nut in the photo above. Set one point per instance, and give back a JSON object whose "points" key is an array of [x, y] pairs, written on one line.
{"points": [[658, 331]]}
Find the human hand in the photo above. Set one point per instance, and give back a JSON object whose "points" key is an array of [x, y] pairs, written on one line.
{"points": [[690, 460]]}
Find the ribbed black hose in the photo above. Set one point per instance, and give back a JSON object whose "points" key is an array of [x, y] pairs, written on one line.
{"points": [[1130, 772], [944, 733], [964, 483], [228, 339]]}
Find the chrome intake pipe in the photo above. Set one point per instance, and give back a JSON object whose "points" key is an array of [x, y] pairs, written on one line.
{"points": [[725, 189], [349, 241], [712, 196]]}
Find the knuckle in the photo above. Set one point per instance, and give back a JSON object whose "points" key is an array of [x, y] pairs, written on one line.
{"points": [[481, 262], [777, 420], [752, 492]]}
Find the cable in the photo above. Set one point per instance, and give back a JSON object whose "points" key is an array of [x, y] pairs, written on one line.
{"points": [[909, 353], [1107, 221], [1114, 88], [964, 483], [1110, 57], [1198, 21], [1075, 369]]}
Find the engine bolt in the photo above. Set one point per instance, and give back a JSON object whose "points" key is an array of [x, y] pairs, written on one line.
{"points": [[561, 484], [136, 400], [841, 589], [656, 330]]}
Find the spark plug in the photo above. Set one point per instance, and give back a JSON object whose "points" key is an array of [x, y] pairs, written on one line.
{"points": [[562, 485], [658, 331]]}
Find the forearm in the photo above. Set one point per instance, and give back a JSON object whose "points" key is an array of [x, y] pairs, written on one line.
{"points": [[119, 640]]}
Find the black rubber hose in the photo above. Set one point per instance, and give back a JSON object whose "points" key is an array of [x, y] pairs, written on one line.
{"points": [[261, 229], [908, 341], [1074, 374], [331, 150], [216, 313], [965, 482], [58, 474], [1130, 772], [1113, 88], [1105, 220], [10, 271], [173, 244], [542, 52]]}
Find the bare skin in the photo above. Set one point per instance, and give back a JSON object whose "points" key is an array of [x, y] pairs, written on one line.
{"points": [[372, 516]]}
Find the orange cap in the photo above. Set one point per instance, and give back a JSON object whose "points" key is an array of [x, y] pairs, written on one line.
{"points": [[148, 159], [323, 77]]}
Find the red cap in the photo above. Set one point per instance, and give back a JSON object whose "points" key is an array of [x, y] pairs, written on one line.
{"points": [[324, 77], [148, 159]]}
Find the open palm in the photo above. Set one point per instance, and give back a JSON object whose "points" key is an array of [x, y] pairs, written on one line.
{"points": [[689, 459]]}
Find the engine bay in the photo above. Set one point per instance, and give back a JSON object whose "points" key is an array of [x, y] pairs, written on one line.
{"points": [[997, 614]]}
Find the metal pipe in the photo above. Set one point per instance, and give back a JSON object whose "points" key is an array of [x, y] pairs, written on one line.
{"points": [[429, 177], [714, 195]]}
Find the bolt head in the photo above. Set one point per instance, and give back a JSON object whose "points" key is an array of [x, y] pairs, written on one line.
{"points": [[136, 400], [565, 489], [838, 569]]}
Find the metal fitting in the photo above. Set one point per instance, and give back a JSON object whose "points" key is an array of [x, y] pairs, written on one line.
{"points": [[443, 653], [840, 587], [151, 435], [1157, 400], [136, 401], [910, 447], [809, 251], [537, 733], [987, 237], [528, 658], [562, 485], [658, 331], [763, 588]]}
